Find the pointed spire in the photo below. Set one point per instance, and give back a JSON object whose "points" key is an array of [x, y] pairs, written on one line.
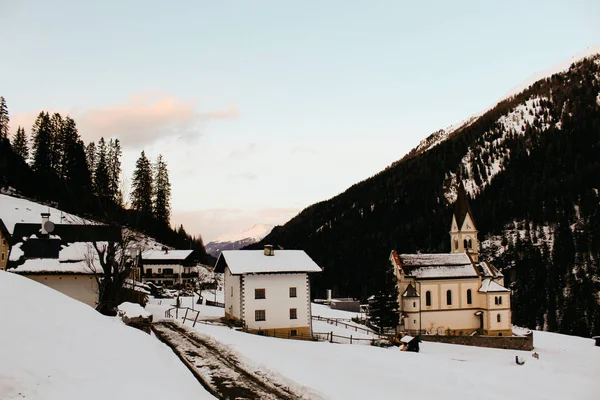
{"points": [[461, 207]]}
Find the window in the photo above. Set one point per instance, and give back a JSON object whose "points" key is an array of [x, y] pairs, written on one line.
{"points": [[449, 297], [259, 294], [232, 291], [414, 304], [469, 297], [293, 313], [428, 298], [496, 300], [159, 270], [470, 243], [465, 243], [2, 256], [500, 300], [455, 244], [260, 315], [294, 332], [149, 271], [293, 292], [498, 318]]}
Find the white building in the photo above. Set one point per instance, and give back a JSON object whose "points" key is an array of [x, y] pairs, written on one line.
{"points": [[268, 290], [168, 267]]}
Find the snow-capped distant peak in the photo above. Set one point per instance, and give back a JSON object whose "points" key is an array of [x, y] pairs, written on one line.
{"points": [[257, 232]]}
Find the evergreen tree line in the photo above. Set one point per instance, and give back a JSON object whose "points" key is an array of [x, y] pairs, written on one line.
{"points": [[549, 177], [53, 165]]}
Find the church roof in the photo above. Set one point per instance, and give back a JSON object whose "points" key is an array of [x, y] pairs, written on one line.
{"points": [[461, 207], [410, 292], [437, 266], [488, 285]]}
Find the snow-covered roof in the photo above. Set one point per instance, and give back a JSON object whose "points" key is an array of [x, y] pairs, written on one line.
{"points": [[132, 310], [256, 262], [431, 266], [75, 258], [488, 285], [166, 254]]}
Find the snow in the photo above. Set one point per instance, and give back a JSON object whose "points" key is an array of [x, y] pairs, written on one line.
{"points": [[567, 368], [437, 265], [80, 258], [166, 255], [132, 310], [15, 210], [257, 232], [57, 348], [255, 261], [488, 285]]}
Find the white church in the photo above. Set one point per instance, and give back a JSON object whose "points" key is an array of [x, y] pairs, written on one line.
{"points": [[454, 293]]}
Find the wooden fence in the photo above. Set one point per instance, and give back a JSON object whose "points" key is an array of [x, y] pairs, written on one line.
{"points": [[338, 322], [214, 303]]}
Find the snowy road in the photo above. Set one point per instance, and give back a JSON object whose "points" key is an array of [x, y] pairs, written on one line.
{"points": [[219, 371]]}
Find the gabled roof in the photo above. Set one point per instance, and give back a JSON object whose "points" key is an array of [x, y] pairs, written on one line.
{"points": [[488, 285], [488, 270], [70, 233], [410, 292], [256, 262], [166, 254], [461, 207], [437, 266], [5, 233], [75, 258]]}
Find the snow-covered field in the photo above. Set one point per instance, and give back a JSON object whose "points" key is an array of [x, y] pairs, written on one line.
{"points": [[567, 367], [54, 347]]}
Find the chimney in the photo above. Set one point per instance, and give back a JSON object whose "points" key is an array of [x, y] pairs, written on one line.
{"points": [[269, 250], [45, 218], [329, 294]]}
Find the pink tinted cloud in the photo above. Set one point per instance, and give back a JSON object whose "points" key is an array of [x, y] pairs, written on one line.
{"points": [[142, 120]]}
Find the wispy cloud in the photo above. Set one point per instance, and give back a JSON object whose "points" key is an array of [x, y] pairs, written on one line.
{"points": [[142, 120]]}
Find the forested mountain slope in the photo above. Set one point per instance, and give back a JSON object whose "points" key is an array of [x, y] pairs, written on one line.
{"points": [[532, 167]]}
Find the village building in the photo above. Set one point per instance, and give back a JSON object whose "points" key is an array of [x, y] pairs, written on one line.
{"points": [[268, 290], [168, 267], [68, 263], [455, 293], [4, 245]]}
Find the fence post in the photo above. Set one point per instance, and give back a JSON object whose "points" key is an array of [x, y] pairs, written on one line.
{"points": [[196, 319], [350, 339], [331, 341], [185, 316]]}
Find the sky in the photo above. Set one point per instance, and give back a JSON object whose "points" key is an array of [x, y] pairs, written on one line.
{"points": [[262, 108]]}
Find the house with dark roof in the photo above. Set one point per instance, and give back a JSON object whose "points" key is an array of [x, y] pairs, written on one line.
{"points": [[62, 257], [5, 238], [454, 293]]}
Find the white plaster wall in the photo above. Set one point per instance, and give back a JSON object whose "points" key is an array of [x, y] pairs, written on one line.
{"points": [[232, 294], [278, 302], [80, 287]]}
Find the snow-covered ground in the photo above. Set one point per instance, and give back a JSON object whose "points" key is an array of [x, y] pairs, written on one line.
{"points": [[567, 367], [54, 347]]}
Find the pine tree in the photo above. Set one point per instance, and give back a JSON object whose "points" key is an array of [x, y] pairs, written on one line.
{"points": [[141, 193], [4, 119], [114, 171], [162, 191], [383, 307], [41, 133], [20, 145], [56, 143], [70, 162], [90, 157], [101, 180]]}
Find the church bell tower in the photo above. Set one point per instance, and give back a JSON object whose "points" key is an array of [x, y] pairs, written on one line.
{"points": [[463, 234]]}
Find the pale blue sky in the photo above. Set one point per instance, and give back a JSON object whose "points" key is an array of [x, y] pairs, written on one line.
{"points": [[262, 108]]}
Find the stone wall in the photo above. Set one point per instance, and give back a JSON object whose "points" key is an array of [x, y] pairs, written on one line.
{"points": [[498, 342]]}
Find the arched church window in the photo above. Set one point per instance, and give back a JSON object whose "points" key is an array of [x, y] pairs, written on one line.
{"points": [[496, 300], [428, 298], [449, 297], [499, 299], [465, 243], [469, 297], [455, 244], [470, 244], [498, 318]]}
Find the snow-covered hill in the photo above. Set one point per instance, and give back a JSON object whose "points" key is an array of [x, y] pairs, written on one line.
{"points": [[54, 347], [439, 136], [238, 240]]}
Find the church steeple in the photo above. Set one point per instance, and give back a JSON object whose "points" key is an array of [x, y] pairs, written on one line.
{"points": [[463, 234]]}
